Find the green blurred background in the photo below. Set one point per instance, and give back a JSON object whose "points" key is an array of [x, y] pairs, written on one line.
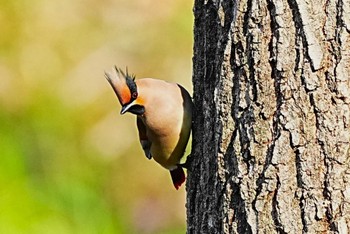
{"points": [[69, 162]]}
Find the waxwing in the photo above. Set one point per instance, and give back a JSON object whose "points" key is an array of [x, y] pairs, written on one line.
{"points": [[163, 116]]}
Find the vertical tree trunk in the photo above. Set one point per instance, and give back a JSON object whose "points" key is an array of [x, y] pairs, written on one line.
{"points": [[271, 127]]}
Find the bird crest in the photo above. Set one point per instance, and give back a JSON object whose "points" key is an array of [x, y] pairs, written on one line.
{"points": [[123, 85]]}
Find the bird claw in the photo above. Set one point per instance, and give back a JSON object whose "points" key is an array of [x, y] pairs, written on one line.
{"points": [[186, 164]]}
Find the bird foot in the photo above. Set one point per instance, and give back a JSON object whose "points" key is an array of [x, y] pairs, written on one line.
{"points": [[186, 164]]}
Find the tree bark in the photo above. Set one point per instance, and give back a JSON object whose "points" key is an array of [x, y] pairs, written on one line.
{"points": [[270, 150]]}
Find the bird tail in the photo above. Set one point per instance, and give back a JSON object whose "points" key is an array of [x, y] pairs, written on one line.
{"points": [[178, 176]]}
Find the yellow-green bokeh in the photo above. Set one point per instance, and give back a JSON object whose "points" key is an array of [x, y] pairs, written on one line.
{"points": [[69, 163]]}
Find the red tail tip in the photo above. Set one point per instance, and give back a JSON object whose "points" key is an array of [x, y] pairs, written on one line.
{"points": [[178, 177]]}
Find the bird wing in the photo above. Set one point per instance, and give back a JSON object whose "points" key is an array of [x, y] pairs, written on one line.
{"points": [[145, 143]]}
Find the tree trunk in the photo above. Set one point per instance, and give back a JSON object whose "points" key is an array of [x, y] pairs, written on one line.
{"points": [[271, 135]]}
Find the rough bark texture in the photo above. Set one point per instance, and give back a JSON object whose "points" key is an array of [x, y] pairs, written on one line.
{"points": [[271, 128]]}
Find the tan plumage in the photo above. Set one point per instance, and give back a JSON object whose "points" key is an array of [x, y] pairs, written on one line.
{"points": [[164, 117]]}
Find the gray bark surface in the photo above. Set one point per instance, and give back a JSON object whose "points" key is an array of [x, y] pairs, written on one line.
{"points": [[270, 150]]}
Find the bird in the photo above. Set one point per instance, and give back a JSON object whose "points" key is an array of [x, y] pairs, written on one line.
{"points": [[163, 117]]}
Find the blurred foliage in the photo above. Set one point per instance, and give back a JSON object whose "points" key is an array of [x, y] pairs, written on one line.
{"points": [[69, 162]]}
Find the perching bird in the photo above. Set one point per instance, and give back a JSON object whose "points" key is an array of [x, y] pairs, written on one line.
{"points": [[164, 117]]}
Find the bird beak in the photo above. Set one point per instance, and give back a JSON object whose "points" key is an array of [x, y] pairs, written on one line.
{"points": [[126, 108]]}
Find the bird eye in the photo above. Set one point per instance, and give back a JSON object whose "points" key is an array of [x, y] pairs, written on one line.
{"points": [[134, 95]]}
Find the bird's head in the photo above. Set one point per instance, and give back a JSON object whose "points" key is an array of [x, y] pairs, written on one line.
{"points": [[125, 88]]}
